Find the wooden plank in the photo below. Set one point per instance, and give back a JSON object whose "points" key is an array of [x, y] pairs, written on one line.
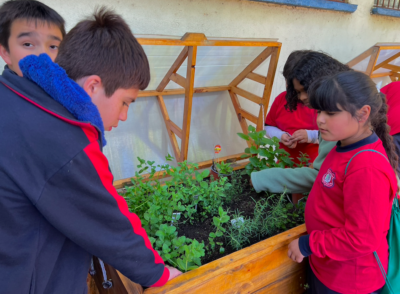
{"points": [[177, 78], [391, 67], [395, 74], [360, 57], [187, 114], [203, 164], [389, 47], [379, 75], [247, 95], [273, 64], [256, 77], [390, 59], [249, 116], [372, 61], [238, 110], [167, 122], [149, 93], [260, 119], [252, 66], [255, 268], [174, 68], [177, 130]]}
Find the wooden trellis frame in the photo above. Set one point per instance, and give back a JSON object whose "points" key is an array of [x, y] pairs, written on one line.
{"points": [[373, 54], [191, 41]]}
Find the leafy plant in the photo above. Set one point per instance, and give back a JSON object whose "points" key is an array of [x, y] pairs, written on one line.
{"points": [[267, 150], [218, 222], [224, 168], [304, 160], [239, 233]]}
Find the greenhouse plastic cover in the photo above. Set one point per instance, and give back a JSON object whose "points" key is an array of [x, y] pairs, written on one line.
{"points": [[213, 121]]}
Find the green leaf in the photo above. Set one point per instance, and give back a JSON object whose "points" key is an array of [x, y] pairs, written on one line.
{"points": [[253, 150], [150, 162], [225, 219], [243, 136], [181, 264], [263, 152], [249, 166], [254, 136], [212, 235], [205, 173], [216, 221], [219, 234], [247, 150], [254, 161], [251, 128]]}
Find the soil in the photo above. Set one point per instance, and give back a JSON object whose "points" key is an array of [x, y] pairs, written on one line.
{"points": [[201, 229]]}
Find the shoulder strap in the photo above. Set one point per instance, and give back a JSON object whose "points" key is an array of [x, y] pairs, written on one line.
{"points": [[375, 254], [371, 150]]}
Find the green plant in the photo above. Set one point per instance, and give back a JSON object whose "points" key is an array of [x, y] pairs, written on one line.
{"points": [[304, 160], [224, 168], [236, 187], [240, 231], [268, 152], [218, 222]]}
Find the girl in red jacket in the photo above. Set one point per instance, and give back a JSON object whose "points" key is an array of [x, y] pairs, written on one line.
{"points": [[348, 210]]}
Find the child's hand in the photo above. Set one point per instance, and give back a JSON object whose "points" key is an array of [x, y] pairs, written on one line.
{"points": [[173, 272], [300, 136], [294, 252]]}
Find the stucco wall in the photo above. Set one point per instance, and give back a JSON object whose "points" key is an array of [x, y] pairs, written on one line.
{"points": [[341, 35]]}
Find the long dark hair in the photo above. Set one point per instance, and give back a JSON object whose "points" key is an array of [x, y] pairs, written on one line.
{"points": [[292, 61], [352, 90], [310, 67]]}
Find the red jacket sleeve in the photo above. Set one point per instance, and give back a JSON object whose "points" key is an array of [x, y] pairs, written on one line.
{"points": [[367, 195]]}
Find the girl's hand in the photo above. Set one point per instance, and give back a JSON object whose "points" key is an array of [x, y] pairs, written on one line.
{"points": [[285, 139], [173, 272], [294, 252], [300, 136]]}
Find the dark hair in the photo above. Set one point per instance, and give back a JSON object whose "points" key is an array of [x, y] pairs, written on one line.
{"points": [[26, 9], [105, 46], [352, 90], [292, 60], [310, 67]]}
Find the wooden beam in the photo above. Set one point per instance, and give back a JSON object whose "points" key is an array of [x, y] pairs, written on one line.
{"points": [[149, 93], [241, 118], [167, 122], [247, 95], [273, 64], [177, 78], [177, 130], [382, 74], [252, 66], [203, 164], [360, 57], [387, 61], [189, 90], [249, 116], [174, 68], [260, 120], [372, 60], [256, 77], [394, 68], [395, 74]]}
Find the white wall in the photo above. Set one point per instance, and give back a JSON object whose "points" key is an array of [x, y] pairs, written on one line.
{"points": [[341, 35]]}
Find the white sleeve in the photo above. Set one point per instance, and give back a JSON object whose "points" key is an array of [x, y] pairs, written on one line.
{"points": [[312, 136], [274, 132]]}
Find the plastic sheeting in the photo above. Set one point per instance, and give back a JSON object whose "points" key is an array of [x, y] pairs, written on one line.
{"points": [[214, 120]]}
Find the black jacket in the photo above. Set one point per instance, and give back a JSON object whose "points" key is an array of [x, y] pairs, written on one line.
{"points": [[58, 206]]}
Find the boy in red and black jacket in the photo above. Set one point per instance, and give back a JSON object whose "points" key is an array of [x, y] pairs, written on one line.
{"points": [[58, 206]]}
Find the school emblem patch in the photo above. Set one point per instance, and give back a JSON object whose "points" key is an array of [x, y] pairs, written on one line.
{"points": [[328, 179]]}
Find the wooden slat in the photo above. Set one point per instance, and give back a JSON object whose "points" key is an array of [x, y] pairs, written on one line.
{"points": [[203, 164], [149, 93], [238, 109], [177, 78], [247, 95], [273, 64], [372, 61], [167, 122], [382, 74], [389, 47], [187, 114], [177, 130], [391, 67], [256, 77], [174, 68], [360, 57], [249, 116], [260, 120], [395, 74], [387, 61], [255, 269], [252, 66]]}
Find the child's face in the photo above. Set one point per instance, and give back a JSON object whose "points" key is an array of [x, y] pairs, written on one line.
{"points": [[337, 126], [301, 93], [30, 38], [115, 108]]}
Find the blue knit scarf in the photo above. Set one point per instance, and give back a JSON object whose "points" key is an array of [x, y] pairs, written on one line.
{"points": [[55, 82]]}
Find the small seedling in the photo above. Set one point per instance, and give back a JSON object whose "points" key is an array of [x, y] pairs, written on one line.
{"points": [[218, 222]]}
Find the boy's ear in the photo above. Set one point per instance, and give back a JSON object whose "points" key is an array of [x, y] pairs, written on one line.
{"points": [[91, 84], [5, 54]]}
